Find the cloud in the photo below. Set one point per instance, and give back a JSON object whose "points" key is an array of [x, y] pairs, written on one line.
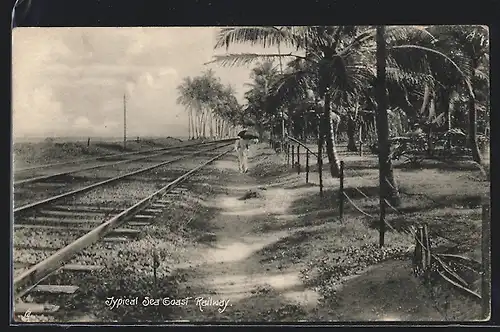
{"points": [[41, 114], [78, 76], [83, 126]]}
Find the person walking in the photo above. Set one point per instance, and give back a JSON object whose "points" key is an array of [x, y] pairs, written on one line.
{"points": [[241, 147]]}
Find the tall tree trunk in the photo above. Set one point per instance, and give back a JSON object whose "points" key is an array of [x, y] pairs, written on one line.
{"points": [[432, 114], [388, 187], [472, 139], [210, 121], [425, 102], [199, 122], [193, 124], [306, 124], [351, 134], [445, 104], [330, 132], [189, 124], [204, 124]]}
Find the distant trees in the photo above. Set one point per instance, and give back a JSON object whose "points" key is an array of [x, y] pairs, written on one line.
{"points": [[261, 109], [435, 77], [213, 110]]}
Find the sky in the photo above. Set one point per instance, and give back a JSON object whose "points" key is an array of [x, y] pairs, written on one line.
{"points": [[71, 81]]}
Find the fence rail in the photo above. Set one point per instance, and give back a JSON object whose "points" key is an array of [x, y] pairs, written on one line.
{"points": [[424, 258]]}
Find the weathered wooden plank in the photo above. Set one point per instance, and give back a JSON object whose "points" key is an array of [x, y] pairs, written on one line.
{"points": [[55, 289], [138, 223], [63, 221], [143, 216], [115, 239], [34, 308], [85, 208], [125, 231], [70, 213], [153, 210], [82, 268], [158, 205], [65, 227]]}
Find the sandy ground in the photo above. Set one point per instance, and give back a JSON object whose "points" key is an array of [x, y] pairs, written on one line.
{"points": [[229, 268], [263, 247], [239, 275]]}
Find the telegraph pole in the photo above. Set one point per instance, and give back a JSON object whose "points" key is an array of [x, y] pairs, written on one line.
{"points": [[124, 121]]}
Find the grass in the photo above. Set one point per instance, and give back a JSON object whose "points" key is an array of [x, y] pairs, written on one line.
{"points": [[339, 259], [28, 154], [446, 195]]}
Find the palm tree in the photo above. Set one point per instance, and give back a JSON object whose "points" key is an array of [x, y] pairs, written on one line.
{"points": [[259, 98], [386, 175], [472, 42], [188, 99], [335, 63], [207, 101], [339, 62]]}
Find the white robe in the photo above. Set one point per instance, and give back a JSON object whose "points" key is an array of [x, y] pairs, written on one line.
{"points": [[241, 146]]}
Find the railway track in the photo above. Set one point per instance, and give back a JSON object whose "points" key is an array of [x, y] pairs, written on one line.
{"points": [[65, 183], [36, 168], [50, 171], [51, 231]]}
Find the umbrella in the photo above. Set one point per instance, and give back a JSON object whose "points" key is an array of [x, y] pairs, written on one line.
{"points": [[248, 134]]}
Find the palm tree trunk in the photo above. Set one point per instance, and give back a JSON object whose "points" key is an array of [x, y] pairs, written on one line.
{"points": [[445, 100], [351, 133], [388, 188], [426, 99], [193, 124], [472, 139], [432, 112], [446, 109], [331, 131], [189, 124], [204, 124]]}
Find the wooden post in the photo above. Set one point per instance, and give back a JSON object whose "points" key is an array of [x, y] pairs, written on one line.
{"points": [[320, 165], [427, 243], [486, 261], [341, 191], [298, 159], [360, 148], [307, 166], [382, 218], [156, 264], [418, 251], [287, 154], [293, 156], [124, 122], [422, 249]]}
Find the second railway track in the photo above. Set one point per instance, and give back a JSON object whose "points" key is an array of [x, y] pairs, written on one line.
{"points": [[48, 233], [68, 183]]}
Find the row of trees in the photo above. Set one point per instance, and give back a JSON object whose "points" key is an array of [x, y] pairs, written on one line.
{"points": [[345, 78], [213, 110]]}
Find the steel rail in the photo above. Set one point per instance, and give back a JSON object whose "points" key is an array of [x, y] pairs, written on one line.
{"points": [[98, 184], [49, 176], [19, 170], [27, 280]]}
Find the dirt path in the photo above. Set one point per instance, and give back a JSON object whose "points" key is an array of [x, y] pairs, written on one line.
{"points": [[262, 251], [229, 269]]}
